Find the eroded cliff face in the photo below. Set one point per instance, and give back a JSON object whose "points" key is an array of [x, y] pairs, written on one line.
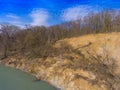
{"points": [[57, 75], [69, 69]]}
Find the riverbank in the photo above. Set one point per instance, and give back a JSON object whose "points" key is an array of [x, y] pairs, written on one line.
{"points": [[58, 78], [73, 67], [20, 80]]}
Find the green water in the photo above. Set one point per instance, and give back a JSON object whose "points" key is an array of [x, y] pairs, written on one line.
{"points": [[12, 79]]}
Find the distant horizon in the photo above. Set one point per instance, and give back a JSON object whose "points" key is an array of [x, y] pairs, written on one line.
{"points": [[48, 13]]}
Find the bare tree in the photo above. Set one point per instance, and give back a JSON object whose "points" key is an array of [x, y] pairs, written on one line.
{"points": [[7, 31]]}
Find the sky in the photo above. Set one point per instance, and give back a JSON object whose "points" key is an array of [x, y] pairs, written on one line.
{"points": [[50, 12]]}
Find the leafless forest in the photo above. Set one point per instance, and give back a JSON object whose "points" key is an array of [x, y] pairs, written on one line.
{"points": [[37, 41]]}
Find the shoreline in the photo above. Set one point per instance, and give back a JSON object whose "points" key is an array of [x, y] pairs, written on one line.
{"points": [[60, 78], [36, 78]]}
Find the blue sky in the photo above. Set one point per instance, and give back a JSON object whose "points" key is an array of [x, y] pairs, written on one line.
{"points": [[50, 12]]}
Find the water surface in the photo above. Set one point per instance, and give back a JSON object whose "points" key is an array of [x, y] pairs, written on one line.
{"points": [[12, 79]]}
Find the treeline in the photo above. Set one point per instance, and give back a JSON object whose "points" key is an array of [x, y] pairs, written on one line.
{"points": [[38, 40]]}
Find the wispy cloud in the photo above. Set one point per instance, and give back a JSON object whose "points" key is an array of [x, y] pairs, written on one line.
{"points": [[12, 16], [39, 17], [12, 19], [80, 11]]}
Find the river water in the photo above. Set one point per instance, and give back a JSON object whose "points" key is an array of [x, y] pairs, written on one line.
{"points": [[12, 79]]}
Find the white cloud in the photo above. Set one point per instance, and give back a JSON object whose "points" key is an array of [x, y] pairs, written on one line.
{"points": [[80, 11], [39, 17]]}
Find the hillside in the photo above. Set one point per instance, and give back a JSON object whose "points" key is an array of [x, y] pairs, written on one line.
{"points": [[89, 62]]}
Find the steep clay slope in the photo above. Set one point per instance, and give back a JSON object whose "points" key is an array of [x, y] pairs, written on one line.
{"points": [[100, 44], [68, 68]]}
